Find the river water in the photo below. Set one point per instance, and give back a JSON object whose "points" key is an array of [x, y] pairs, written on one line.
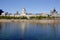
{"points": [[29, 31]]}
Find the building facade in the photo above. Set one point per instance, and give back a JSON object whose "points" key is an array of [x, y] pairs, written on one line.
{"points": [[24, 13]]}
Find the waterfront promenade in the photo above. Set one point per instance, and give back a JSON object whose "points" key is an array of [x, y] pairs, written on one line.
{"points": [[34, 21]]}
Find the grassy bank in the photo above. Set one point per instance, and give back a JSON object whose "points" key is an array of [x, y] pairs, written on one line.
{"points": [[24, 17], [12, 17]]}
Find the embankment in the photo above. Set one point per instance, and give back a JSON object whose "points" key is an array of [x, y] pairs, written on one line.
{"points": [[34, 21]]}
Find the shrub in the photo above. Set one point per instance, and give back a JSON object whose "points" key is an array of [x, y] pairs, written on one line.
{"points": [[23, 17]]}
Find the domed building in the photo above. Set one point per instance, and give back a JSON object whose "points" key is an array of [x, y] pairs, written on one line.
{"points": [[23, 11], [54, 12]]}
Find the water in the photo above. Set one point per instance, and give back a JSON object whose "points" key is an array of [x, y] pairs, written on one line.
{"points": [[29, 31]]}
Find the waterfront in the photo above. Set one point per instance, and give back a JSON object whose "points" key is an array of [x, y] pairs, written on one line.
{"points": [[32, 21], [29, 31]]}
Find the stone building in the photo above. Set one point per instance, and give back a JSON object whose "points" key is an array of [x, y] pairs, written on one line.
{"points": [[54, 13], [23, 12], [44, 14]]}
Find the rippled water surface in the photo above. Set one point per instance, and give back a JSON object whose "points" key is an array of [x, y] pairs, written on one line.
{"points": [[29, 31]]}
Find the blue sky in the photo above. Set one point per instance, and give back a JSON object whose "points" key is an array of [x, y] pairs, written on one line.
{"points": [[32, 6]]}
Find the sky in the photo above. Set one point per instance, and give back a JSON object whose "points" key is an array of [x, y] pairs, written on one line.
{"points": [[31, 6]]}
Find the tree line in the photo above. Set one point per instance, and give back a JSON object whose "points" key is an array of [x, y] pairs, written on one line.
{"points": [[1, 11]]}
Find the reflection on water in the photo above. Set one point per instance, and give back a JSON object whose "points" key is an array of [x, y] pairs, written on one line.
{"points": [[29, 31]]}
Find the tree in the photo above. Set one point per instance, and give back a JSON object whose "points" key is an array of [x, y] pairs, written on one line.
{"points": [[1, 11]]}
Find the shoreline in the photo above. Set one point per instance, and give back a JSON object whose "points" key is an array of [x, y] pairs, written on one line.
{"points": [[33, 21]]}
